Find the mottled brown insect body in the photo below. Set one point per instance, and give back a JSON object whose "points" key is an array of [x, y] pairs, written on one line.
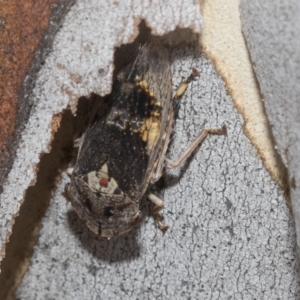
{"points": [[124, 151]]}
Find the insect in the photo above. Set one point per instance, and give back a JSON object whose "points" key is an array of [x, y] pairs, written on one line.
{"points": [[124, 151]]}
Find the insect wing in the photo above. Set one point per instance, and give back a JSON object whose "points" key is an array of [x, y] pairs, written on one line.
{"points": [[118, 154], [129, 137]]}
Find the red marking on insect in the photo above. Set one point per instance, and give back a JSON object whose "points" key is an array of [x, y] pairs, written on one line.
{"points": [[103, 182]]}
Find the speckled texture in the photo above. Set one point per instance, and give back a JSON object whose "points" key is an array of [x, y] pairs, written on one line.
{"points": [[81, 62], [26, 35], [231, 234], [223, 42]]}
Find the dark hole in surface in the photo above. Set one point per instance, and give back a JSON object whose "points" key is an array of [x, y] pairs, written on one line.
{"points": [[108, 211], [88, 203]]}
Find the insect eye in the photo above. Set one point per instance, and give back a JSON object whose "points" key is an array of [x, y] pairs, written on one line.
{"points": [[117, 191], [108, 211]]}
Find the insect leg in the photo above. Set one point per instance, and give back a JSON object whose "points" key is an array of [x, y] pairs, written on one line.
{"points": [[174, 164], [161, 159], [78, 142], [159, 205], [183, 86]]}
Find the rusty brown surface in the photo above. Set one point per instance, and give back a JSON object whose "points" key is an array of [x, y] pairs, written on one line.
{"points": [[27, 30], [23, 26]]}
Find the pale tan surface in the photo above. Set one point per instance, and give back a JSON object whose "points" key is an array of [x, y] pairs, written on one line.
{"points": [[223, 42], [272, 31]]}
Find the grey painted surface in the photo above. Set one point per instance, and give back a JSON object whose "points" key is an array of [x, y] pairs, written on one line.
{"points": [[231, 233], [272, 31]]}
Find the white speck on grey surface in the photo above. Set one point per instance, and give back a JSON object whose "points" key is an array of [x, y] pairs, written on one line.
{"points": [[231, 235]]}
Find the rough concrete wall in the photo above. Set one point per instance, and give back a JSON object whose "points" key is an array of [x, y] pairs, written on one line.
{"points": [[231, 234]]}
